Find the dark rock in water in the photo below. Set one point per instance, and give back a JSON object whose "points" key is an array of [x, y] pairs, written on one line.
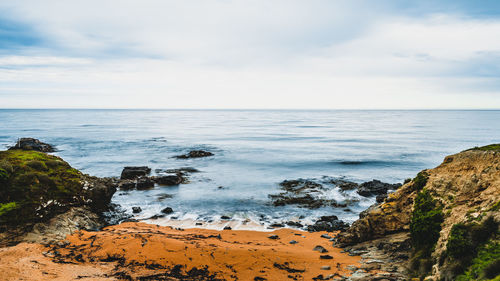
{"points": [[328, 223], [134, 172], [164, 196], [227, 228], [375, 187], [225, 218], [299, 185], [169, 180], [126, 184], [294, 224], [136, 210], [195, 154], [344, 185], [32, 144], [306, 200], [167, 210], [277, 225], [182, 170], [156, 217], [380, 198], [144, 183]]}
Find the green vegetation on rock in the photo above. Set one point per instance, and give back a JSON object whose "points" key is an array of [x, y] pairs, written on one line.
{"points": [[33, 184], [425, 226], [470, 249], [420, 180], [491, 147], [485, 266]]}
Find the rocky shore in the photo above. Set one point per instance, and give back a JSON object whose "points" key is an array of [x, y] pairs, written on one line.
{"points": [[57, 223]]}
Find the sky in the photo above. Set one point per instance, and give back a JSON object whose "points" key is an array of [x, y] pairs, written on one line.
{"points": [[259, 54]]}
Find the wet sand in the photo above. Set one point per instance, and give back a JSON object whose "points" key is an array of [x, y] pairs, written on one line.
{"points": [[150, 252]]}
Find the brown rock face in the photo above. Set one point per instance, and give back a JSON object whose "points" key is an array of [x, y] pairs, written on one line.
{"points": [[466, 185]]}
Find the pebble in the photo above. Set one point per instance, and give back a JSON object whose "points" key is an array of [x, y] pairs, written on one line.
{"points": [[274, 237], [326, 236], [293, 242], [320, 249], [325, 257], [325, 267]]}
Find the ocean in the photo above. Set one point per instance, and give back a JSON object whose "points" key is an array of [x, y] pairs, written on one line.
{"points": [[254, 151]]}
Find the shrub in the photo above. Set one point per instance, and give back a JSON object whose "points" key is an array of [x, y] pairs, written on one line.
{"points": [[420, 180], [485, 266], [465, 248], [426, 221]]}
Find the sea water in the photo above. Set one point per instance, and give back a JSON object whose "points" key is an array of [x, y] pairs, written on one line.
{"points": [[254, 151]]}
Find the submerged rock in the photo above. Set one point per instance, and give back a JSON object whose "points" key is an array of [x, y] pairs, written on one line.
{"points": [[167, 210], [136, 210], [195, 154], [32, 144], [133, 172]]}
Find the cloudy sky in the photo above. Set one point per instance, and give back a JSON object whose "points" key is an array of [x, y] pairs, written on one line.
{"points": [[249, 54]]}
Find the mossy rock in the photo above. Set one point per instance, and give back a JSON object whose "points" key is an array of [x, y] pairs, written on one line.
{"points": [[35, 185]]}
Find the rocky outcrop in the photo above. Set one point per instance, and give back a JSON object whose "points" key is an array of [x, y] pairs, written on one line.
{"points": [[309, 193], [38, 188], [195, 154], [463, 190], [32, 144], [133, 172], [376, 187]]}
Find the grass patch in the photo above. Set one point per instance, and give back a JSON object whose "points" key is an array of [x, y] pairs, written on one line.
{"points": [[33, 179], [491, 147]]}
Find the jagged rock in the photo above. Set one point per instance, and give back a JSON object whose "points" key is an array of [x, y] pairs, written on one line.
{"points": [[99, 191], [169, 180], [375, 187], [136, 210], [195, 154], [328, 223], [167, 210], [133, 172], [144, 183], [32, 144], [126, 184]]}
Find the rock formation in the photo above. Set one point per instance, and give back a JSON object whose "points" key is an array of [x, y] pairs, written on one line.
{"points": [[439, 206]]}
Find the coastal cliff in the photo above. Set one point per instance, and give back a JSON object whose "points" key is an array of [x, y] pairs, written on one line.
{"points": [[449, 215]]}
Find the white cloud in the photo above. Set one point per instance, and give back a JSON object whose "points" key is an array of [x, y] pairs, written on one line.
{"points": [[259, 54]]}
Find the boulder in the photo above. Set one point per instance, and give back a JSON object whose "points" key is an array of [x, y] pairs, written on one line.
{"points": [[136, 210], [144, 183], [32, 144], [169, 180], [134, 172], [126, 184], [375, 187], [328, 223], [99, 191], [195, 154], [167, 210]]}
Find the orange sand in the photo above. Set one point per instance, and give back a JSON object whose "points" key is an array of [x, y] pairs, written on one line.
{"points": [[139, 248]]}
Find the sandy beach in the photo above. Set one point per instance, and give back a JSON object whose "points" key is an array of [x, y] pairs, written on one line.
{"points": [[139, 251]]}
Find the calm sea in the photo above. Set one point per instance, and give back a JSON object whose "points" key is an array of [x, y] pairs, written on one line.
{"points": [[254, 151]]}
